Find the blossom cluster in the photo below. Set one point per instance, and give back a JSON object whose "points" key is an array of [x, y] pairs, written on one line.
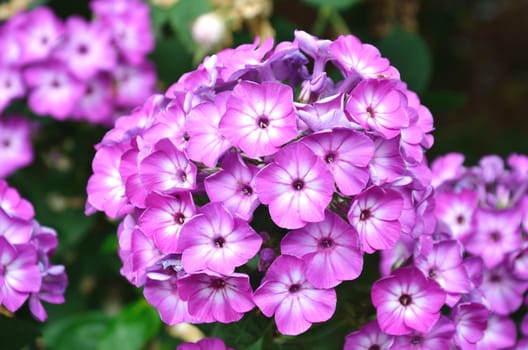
{"points": [[262, 154], [26, 247], [473, 265], [78, 69]]}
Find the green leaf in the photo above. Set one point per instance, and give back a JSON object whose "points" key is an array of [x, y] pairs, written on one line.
{"points": [[171, 59], [132, 328], [409, 53], [339, 4], [256, 345], [79, 332], [247, 333], [181, 17], [16, 333]]}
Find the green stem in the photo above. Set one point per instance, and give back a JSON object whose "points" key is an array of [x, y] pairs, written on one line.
{"points": [[321, 21]]}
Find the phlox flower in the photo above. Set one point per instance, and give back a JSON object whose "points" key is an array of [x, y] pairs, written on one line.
{"points": [[444, 264], [86, 48], [499, 334], [204, 344], [206, 143], [387, 164], [297, 186], [377, 105], [133, 83], [296, 303], [164, 218], [407, 301], [15, 230], [496, 234], [369, 337], [13, 204], [502, 290], [96, 105], [234, 186], [259, 118], [217, 241], [447, 168], [213, 297], [11, 86], [330, 249], [375, 213], [167, 169], [455, 211], [15, 144], [347, 154], [471, 320], [439, 337], [19, 274]]}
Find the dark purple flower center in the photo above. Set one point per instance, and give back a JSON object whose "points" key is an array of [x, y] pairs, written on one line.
{"points": [[432, 273], [219, 241], [44, 40], [495, 278], [365, 214], [416, 340], [298, 184], [326, 242], [405, 299], [246, 190], [330, 157], [6, 143], [294, 288], [82, 49], [179, 218], [186, 137], [374, 347], [370, 112], [218, 283], [7, 84], [263, 122], [460, 219], [495, 236], [182, 175], [55, 83]]}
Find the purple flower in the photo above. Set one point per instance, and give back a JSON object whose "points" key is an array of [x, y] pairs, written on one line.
{"points": [[96, 105], [54, 90], [330, 249], [164, 218], [502, 290], [446, 168], [259, 117], [471, 320], [439, 337], [206, 143], [167, 169], [213, 297], [455, 212], [286, 292], [375, 213], [297, 186], [496, 234], [407, 301], [15, 144], [133, 83], [11, 86], [369, 337], [500, 333], [234, 186], [347, 154], [217, 241], [386, 165], [85, 49], [19, 274], [14, 205], [204, 344], [377, 105]]}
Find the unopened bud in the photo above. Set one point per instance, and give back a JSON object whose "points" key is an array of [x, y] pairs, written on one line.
{"points": [[208, 30]]}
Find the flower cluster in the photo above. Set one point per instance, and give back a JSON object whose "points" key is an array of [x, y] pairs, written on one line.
{"points": [[16, 150], [260, 153], [79, 69], [474, 265], [26, 272]]}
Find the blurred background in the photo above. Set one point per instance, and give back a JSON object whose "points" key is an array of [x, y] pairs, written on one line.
{"points": [[467, 60]]}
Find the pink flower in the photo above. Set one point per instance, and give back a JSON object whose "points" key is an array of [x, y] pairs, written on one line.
{"points": [[16, 150], [330, 249], [455, 210], [471, 320], [206, 143], [387, 164], [375, 213], [347, 154], [234, 186], [204, 344], [500, 333], [377, 105], [286, 292], [167, 169], [259, 117], [213, 297], [297, 186], [502, 290], [439, 337], [217, 241], [19, 274], [11, 86], [369, 337], [164, 218], [407, 301]]}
